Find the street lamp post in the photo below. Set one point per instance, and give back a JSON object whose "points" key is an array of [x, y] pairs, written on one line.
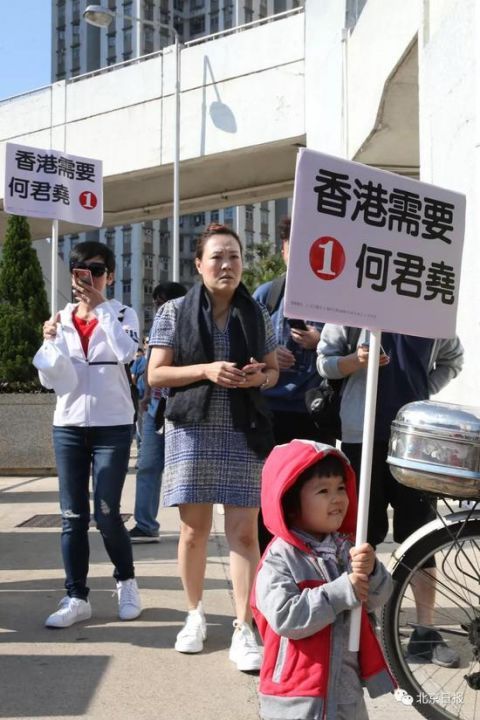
{"points": [[102, 17]]}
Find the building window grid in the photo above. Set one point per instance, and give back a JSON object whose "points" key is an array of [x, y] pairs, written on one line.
{"points": [[196, 6]]}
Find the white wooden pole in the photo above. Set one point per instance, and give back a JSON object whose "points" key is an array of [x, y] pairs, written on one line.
{"points": [[54, 279], [366, 468]]}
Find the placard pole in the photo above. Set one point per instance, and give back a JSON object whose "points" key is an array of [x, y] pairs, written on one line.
{"points": [[366, 468], [54, 283]]}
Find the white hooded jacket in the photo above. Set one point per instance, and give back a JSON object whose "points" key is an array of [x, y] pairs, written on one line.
{"points": [[101, 394]]}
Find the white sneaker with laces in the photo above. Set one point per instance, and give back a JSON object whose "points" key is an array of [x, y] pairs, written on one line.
{"points": [[244, 651], [191, 637], [70, 611], [129, 604]]}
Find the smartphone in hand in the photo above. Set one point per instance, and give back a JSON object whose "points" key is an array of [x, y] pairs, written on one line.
{"points": [[83, 276], [366, 346], [296, 324]]}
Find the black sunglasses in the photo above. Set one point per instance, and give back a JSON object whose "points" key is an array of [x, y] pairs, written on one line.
{"points": [[96, 268]]}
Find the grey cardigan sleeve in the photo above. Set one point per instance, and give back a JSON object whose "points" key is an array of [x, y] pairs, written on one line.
{"points": [[332, 346], [295, 613], [446, 363]]}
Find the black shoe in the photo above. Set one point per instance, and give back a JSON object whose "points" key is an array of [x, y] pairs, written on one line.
{"points": [[429, 645], [138, 536]]}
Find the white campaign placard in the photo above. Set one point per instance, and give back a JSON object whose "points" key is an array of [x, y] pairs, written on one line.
{"points": [[51, 184], [372, 249]]}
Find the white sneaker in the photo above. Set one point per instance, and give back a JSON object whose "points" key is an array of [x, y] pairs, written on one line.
{"points": [[244, 651], [70, 610], [191, 637], [129, 605]]}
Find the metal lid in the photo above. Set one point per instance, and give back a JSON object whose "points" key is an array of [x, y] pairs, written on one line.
{"points": [[440, 419]]}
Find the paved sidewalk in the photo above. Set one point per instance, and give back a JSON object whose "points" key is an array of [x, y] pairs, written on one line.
{"points": [[105, 668]]}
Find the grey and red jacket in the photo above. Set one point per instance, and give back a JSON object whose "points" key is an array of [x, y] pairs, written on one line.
{"points": [[301, 610]]}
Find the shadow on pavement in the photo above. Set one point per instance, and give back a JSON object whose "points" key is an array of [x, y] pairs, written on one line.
{"points": [[39, 686], [156, 627]]}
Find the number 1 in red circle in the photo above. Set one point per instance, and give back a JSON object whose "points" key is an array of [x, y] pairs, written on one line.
{"points": [[88, 200], [327, 258]]}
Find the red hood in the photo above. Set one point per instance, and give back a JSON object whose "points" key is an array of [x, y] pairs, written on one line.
{"points": [[282, 467]]}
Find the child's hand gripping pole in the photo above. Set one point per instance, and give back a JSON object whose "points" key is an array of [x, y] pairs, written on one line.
{"points": [[366, 468]]}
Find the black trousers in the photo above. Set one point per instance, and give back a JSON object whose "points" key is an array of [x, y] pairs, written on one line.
{"points": [[289, 426], [411, 508]]}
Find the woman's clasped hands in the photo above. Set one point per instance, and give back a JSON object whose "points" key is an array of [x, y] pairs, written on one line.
{"points": [[228, 375]]}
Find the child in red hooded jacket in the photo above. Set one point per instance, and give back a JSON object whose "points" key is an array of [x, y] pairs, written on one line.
{"points": [[309, 579]]}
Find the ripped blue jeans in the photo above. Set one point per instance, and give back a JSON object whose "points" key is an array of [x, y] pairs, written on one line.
{"points": [[105, 452]]}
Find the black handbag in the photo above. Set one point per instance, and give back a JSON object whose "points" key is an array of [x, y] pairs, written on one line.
{"points": [[323, 402], [323, 405]]}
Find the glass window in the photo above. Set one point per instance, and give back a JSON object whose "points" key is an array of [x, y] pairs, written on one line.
{"points": [[76, 57], [178, 24], [61, 16], [197, 25], [147, 39], [75, 11], [148, 9], [248, 238], [111, 43], [127, 40], [227, 17], [214, 22]]}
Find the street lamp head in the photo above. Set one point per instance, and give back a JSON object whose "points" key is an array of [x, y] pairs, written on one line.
{"points": [[98, 16]]}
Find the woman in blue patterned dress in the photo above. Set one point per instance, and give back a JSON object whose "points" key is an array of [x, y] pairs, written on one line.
{"points": [[215, 350]]}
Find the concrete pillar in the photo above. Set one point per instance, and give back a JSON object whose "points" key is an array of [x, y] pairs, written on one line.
{"points": [[324, 22], [449, 106]]}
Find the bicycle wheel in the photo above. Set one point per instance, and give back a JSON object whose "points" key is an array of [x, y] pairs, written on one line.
{"points": [[439, 692]]}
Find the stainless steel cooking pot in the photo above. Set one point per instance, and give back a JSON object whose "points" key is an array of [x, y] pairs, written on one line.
{"points": [[435, 447]]}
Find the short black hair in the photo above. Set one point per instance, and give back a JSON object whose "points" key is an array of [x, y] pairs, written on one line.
{"points": [[326, 467], [90, 249], [284, 228], [168, 291]]}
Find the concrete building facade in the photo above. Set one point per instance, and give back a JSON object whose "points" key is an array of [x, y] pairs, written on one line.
{"points": [[393, 85], [143, 250]]}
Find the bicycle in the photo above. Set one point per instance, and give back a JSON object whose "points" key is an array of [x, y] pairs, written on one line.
{"points": [[445, 554]]}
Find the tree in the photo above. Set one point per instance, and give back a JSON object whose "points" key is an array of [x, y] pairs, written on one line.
{"points": [[262, 265], [23, 303]]}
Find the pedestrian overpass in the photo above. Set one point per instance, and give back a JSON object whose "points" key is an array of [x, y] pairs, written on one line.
{"points": [[249, 99]]}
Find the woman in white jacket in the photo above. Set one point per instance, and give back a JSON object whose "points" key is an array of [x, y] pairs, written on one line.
{"points": [[92, 427]]}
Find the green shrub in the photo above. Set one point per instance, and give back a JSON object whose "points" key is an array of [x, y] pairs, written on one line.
{"points": [[23, 305], [261, 265]]}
